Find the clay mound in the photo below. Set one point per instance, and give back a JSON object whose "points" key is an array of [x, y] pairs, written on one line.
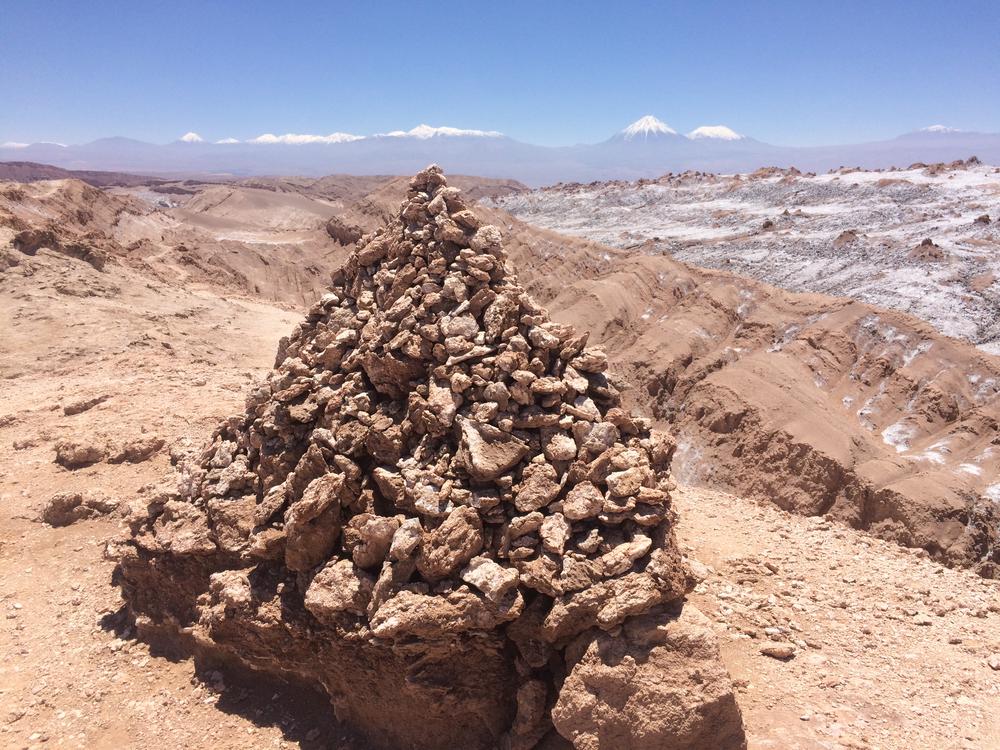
{"points": [[927, 250], [436, 508]]}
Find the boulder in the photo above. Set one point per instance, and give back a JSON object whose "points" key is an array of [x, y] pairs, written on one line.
{"points": [[64, 508], [659, 660]]}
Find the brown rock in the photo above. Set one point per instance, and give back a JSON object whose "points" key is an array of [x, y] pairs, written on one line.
{"points": [[233, 521], [368, 538], [312, 524], [78, 407], [75, 455], [342, 232], [783, 651], [136, 451], [555, 532], [493, 580], [451, 545], [412, 614], [339, 587], [659, 685], [488, 452], [537, 489], [583, 501], [65, 508], [182, 529]]}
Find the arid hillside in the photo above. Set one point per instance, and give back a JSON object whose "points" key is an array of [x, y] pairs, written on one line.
{"points": [[921, 240], [136, 320], [821, 405]]}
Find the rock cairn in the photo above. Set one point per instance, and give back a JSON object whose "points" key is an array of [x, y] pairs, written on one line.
{"points": [[434, 473]]}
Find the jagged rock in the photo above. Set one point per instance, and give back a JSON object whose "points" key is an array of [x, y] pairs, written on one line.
{"points": [[312, 525], [487, 451], [451, 545], [555, 531], [537, 489], [406, 540], [583, 501], [136, 451], [613, 682], [343, 233], [339, 587], [495, 581], [368, 538], [182, 529], [74, 455], [434, 478], [65, 508]]}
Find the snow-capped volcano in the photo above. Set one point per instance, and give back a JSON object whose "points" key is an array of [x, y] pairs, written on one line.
{"points": [[645, 128], [939, 129], [191, 137], [717, 132]]}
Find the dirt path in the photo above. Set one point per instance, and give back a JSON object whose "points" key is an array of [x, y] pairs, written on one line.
{"points": [[892, 649]]}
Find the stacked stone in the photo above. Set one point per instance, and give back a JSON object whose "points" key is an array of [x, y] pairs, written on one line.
{"points": [[432, 455]]}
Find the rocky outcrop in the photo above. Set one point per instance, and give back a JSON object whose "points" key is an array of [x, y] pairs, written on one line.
{"points": [[436, 508], [342, 232], [30, 241], [64, 508], [613, 680]]}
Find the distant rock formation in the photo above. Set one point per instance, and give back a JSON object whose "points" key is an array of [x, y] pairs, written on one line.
{"points": [[343, 233]]}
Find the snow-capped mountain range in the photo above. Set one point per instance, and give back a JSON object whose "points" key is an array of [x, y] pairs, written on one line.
{"points": [[648, 147], [650, 128]]}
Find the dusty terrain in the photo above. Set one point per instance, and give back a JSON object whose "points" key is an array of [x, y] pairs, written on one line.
{"points": [[816, 403], [175, 345], [436, 508], [849, 233]]}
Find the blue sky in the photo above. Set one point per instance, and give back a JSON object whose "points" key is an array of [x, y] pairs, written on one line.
{"points": [[797, 73]]}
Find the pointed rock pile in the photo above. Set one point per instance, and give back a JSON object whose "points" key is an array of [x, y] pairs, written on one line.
{"points": [[433, 495]]}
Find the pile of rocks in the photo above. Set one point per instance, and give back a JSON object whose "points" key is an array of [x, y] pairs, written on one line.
{"points": [[433, 498]]}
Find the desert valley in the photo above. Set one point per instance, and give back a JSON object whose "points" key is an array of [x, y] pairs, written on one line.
{"points": [[821, 348], [500, 376]]}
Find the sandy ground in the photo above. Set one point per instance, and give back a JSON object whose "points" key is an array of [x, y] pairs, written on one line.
{"points": [[868, 672], [892, 651]]}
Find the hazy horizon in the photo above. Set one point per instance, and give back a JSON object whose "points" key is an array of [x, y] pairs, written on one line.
{"points": [[425, 130]]}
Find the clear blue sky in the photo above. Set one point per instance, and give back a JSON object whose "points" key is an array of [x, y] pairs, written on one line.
{"points": [[789, 72]]}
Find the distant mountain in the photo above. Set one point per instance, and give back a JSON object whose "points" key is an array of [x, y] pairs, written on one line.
{"points": [[648, 147], [715, 132], [27, 171], [644, 130]]}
